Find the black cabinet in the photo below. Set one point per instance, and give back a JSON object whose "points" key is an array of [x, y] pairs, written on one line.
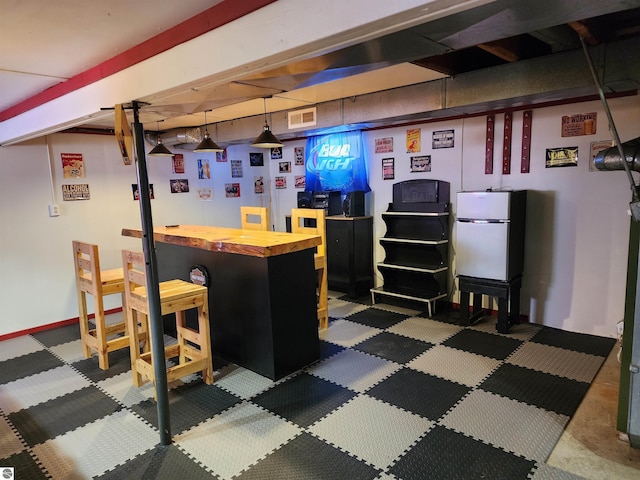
{"points": [[416, 243], [350, 254]]}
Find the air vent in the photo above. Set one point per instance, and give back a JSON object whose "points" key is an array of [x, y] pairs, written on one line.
{"points": [[302, 118]]}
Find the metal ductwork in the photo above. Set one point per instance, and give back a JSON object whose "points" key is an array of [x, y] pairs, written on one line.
{"points": [[610, 159], [179, 137], [182, 137]]}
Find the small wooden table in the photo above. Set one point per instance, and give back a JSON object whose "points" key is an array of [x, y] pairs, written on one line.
{"points": [[508, 293], [262, 295]]}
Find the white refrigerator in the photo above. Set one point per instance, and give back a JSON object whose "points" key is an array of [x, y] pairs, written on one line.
{"points": [[490, 234]]}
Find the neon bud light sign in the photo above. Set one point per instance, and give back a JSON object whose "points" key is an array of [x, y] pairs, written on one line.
{"points": [[330, 157], [336, 162]]}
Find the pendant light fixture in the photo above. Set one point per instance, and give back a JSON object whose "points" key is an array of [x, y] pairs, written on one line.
{"points": [[207, 145], [160, 150], [266, 139]]}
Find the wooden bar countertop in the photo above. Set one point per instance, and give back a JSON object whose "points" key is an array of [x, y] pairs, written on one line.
{"points": [[230, 240]]}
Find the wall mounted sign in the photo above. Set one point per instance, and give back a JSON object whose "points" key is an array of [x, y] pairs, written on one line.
{"points": [[179, 185], [525, 160], [281, 183], [506, 145], [488, 151], [72, 165], [232, 190], [276, 153], [236, 168], [258, 184], [75, 192], [123, 134], [205, 194], [204, 170], [580, 124], [442, 139], [336, 162], [562, 157], [221, 156], [384, 145], [388, 169], [300, 181], [413, 140], [178, 163], [256, 159], [421, 163], [284, 167]]}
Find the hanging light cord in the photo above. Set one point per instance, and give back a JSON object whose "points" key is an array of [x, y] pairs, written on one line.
{"points": [[264, 99]]}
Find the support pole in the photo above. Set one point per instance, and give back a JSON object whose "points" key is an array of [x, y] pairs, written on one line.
{"points": [[153, 292]]}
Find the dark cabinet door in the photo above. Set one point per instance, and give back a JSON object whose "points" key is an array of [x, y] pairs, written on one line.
{"points": [[350, 254]]}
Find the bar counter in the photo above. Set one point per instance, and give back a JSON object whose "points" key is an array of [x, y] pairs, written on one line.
{"points": [[262, 292]]}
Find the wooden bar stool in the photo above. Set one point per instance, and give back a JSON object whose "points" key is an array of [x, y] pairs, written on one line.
{"points": [[90, 279], [193, 349], [248, 214], [299, 225]]}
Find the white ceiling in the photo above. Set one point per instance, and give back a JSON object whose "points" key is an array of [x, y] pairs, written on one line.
{"points": [[44, 43]]}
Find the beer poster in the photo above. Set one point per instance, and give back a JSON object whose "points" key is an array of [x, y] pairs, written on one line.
{"points": [[72, 165], [178, 163], [580, 124], [562, 157]]}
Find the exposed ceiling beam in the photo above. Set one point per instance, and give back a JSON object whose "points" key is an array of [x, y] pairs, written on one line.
{"points": [[584, 32]]}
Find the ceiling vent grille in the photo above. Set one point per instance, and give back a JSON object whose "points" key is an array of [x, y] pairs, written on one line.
{"points": [[302, 118]]}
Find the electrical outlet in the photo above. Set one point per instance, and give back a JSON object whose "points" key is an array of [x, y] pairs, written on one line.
{"points": [[54, 210]]}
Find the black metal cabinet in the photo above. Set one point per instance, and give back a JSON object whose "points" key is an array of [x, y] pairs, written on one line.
{"points": [[350, 254]]}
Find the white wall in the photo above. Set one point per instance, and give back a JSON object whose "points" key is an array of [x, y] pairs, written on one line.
{"points": [[577, 225]]}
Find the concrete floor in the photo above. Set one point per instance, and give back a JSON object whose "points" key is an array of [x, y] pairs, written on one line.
{"points": [[591, 446]]}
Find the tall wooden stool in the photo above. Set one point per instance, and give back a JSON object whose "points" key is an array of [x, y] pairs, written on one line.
{"points": [[193, 349], [248, 214], [299, 225], [90, 279]]}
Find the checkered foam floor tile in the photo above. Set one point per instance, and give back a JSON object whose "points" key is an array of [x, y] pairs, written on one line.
{"points": [[395, 395]]}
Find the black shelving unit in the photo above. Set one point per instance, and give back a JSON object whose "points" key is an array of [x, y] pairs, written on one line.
{"points": [[416, 243]]}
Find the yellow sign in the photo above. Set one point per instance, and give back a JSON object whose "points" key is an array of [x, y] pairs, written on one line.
{"points": [[123, 134]]}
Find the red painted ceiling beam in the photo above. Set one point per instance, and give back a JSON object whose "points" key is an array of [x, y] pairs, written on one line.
{"points": [[225, 12]]}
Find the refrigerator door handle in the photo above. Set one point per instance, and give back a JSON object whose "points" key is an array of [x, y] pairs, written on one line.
{"points": [[471, 220]]}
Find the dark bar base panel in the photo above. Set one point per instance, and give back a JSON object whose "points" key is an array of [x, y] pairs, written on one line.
{"points": [[262, 310]]}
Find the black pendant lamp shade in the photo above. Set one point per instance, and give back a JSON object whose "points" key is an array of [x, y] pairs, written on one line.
{"points": [[207, 145], [266, 139], [160, 150]]}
